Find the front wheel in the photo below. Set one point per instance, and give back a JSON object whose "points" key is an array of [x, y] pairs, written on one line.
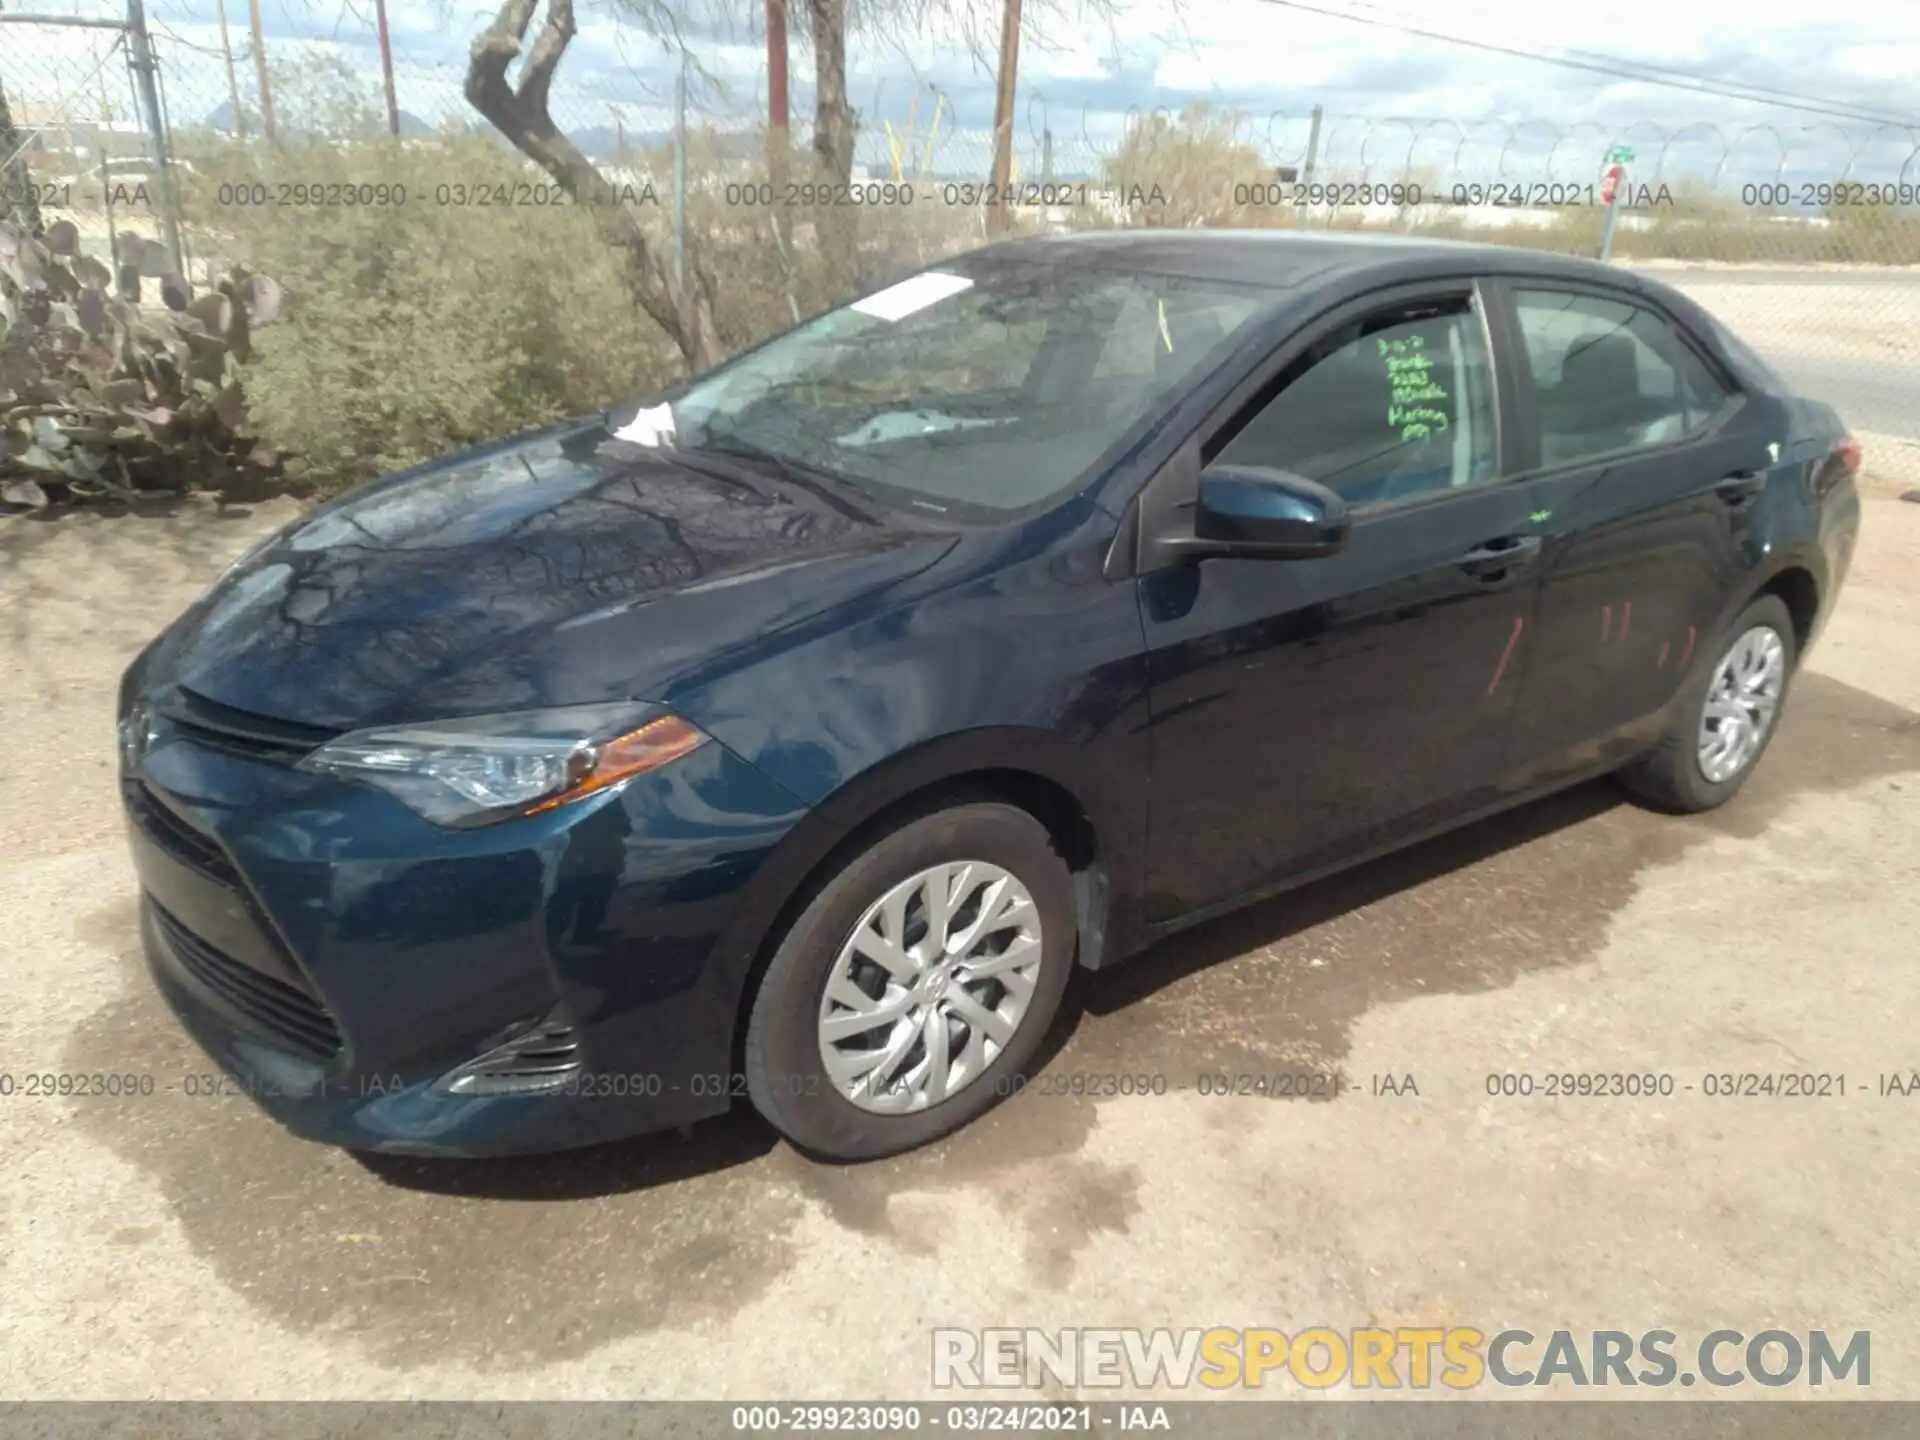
{"points": [[1726, 715], [914, 985]]}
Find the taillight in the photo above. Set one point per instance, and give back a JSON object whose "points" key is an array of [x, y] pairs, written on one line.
{"points": [[1842, 463]]}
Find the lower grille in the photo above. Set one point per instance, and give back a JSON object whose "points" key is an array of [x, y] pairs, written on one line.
{"points": [[291, 1017]]}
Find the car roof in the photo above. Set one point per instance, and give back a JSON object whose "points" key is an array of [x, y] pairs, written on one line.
{"points": [[1286, 258]]}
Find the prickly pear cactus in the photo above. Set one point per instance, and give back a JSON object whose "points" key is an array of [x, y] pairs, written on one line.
{"points": [[105, 399]]}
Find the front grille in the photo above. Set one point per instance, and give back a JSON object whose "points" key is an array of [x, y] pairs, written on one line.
{"points": [[290, 1016], [239, 732], [179, 839]]}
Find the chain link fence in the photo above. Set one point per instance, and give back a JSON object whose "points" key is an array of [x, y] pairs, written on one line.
{"points": [[1805, 239]]}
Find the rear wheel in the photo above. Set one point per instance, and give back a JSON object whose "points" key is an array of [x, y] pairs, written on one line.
{"points": [[1726, 716], [914, 984]]}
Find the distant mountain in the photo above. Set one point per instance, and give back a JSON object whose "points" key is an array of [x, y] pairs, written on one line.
{"points": [[221, 118], [599, 142], [603, 142]]}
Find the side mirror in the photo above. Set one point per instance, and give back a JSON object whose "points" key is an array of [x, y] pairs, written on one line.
{"points": [[1254, 513]]}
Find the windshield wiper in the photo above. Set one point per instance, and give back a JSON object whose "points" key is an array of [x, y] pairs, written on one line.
{"points": [[825, 484], [745, 477]]}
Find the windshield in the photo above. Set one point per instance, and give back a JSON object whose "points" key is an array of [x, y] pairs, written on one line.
{"points": [[963, 392]]}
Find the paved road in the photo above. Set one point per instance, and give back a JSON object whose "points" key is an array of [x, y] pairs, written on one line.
{"points": [[1878, 397], [1897, 277], [1852, 347]]}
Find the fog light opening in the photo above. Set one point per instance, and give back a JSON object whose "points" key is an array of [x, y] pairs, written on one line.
{"points": [[536, 1061]]}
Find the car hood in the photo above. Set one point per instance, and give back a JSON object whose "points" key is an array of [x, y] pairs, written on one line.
{"points": [[558, 568]]}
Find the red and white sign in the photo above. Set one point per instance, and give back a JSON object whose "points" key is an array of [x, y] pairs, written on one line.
{"points": [[1610, 183]]}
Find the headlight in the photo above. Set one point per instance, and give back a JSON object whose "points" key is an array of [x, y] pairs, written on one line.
{"points": [[493, 767]]}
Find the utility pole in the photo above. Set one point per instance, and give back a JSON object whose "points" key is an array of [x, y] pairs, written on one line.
{"points": [[1306, 173], [18, 199], [777, 73], [106, 193], [260, 71], [233, 81], [143, 70], [680, 186], [998, 214], [779, 135], [386, 68]]}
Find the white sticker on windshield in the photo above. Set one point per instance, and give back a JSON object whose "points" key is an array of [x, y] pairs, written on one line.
{"points": [[905, 424], [916, 292], [649, 427]]}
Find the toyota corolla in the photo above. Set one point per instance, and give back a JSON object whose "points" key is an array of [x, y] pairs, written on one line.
{"points": [[789, 738]]}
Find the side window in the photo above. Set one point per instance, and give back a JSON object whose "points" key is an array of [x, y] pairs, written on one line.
{"points": [[1609, 376], [1397, 404], [1744, 355]]}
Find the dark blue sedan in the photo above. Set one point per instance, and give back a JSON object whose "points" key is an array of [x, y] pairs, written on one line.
{"points": [[789, 738]]}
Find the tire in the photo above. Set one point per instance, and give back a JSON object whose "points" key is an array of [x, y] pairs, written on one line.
{"points": [[788, 1077], [1671, 776]]}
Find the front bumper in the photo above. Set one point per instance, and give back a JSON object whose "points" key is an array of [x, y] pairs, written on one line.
{"points": [[340, 957]]}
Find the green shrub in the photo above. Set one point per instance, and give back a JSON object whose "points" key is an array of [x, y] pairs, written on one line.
{"points": [[415, 327], [1196, 169]]}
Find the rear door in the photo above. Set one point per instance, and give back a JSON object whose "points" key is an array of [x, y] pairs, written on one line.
{"points": [[1648, 463]]}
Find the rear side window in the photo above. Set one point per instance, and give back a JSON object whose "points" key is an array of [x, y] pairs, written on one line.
{"points": [[1746, 358], [1609, 376], [1395, 405]]}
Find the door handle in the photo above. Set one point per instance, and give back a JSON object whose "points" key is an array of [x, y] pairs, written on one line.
{"points": [[1742, 489], [1498, 558]]}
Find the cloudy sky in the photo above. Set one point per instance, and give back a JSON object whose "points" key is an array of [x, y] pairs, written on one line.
{"points": [[1390, 97]]}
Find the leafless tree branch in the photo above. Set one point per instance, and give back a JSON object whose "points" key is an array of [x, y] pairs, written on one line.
{"points": [[523, 116]]}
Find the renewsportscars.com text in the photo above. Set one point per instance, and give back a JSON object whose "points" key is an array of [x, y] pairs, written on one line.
{"points": [[1456, 1358]]}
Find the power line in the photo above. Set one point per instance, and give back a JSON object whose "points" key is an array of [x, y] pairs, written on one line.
{"points": [[1767, 94], [1693, 76], [1641, 71], [1619, 69]]}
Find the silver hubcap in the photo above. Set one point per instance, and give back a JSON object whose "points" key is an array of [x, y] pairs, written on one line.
{"points": [[930, 987], [1741, 703]]}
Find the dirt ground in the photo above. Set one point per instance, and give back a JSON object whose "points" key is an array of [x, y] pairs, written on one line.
{"points": [[177, 1247]]}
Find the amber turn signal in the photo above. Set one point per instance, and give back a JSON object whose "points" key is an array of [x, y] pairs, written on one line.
{"points": [[656, 743]]}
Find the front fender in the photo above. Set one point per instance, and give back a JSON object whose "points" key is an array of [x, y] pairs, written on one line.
{"points": [[1116, 816], [1031, 661]]}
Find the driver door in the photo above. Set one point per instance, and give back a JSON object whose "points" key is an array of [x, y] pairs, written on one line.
{"points": [[1306, 711]]}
